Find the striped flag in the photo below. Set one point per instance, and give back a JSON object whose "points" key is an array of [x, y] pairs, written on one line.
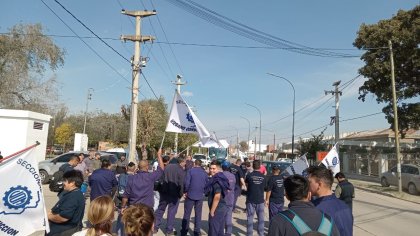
{"points": [[299, 166]]}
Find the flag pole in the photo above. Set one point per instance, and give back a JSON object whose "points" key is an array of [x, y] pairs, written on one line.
{"points": [[19, 152], [163, 139]]}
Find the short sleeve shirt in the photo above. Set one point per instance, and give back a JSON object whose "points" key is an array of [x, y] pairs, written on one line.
{"points": [[71, 205], [256, 185], [216, 189], [275, 185], [237, 171]]}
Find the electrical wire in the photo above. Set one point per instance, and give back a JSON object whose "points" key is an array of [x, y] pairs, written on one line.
{"points": [[166, 38], [84, 25], [248, 32]]}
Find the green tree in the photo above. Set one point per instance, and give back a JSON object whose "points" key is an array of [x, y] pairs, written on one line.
{"points": [[404, 32], [25, 55], [243, 146], [312, 145], [64, 134]]}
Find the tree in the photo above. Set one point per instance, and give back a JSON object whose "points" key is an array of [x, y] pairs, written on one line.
{"points": [[403, 31], [64, 134], [25, 54], [312, 145], [243, 146]]}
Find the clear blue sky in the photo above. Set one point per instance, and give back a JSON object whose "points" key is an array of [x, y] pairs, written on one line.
{"points": [[220, 80]]}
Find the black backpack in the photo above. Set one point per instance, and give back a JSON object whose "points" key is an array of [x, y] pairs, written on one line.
{"points": [[325, 228], [56, 183]]}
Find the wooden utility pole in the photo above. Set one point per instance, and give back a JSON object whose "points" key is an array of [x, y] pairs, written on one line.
{"points": [[136, 67]]}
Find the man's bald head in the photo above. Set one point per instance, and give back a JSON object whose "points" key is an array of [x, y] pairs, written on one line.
{"points": [[144, 165]]}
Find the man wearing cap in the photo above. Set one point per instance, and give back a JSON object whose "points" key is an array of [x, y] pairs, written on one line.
{"points": [[195, 181], [236, 170], [274, 197], [230, 197]]}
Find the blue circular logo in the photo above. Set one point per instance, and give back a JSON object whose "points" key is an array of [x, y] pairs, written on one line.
{"points": [[17, 197], [334, 161]]}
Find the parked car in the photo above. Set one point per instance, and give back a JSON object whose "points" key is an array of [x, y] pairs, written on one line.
{"points": [[410, 178], [205, 160], [48, 167], [57, 150], [268, 165]]}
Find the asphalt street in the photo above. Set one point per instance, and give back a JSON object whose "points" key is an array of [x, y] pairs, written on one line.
{"points": [[376, 212]]}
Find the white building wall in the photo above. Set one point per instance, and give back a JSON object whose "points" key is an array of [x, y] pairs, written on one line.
{"points": [[17, 132]]}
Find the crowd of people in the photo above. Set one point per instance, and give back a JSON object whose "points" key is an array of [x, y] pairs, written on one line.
{"points": [[140, 196]]}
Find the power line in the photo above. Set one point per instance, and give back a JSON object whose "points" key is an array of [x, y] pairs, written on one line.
{"points": [[103, 41], [248, 32], [93, 50], [166, 38], [149, 85]]}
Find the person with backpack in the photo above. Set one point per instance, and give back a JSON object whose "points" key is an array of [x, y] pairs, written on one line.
{"points": [[320, 183], [56, 183], [302, 217]]}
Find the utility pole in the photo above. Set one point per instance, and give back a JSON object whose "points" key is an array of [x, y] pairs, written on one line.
{"points": [[394, 107], [136, 65], [337, 94], [178, 84], [89, 97], [274, 150], [237, 144]]}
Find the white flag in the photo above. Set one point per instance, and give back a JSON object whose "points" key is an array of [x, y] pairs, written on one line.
{"points": [[331, 160], [22, 206], [183, 120], [299, 166]]}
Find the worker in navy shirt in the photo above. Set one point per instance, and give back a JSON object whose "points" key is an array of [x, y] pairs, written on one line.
{"points": [[256, 183], [139, 187], [67, 214], [216, 189], [230, 197], [171, 192], [195, 181], [74, 160], [320, 182], [237, 171], [102, 181], [274, 197]]}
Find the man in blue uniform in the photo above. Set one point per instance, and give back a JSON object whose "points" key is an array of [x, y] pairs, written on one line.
{"points": [[216, 189], [172, 191], [230, 197], [320, 182], [195, 181], [102, 181], [237, 171], [256, 183], [300, 207], [274, 197], [67, 214], [139, 187]]}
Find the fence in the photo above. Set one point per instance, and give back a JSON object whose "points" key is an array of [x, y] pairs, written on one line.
{"points": [[373, 164]]}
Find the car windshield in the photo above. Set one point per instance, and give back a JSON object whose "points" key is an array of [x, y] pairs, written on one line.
{"points": [[199, 157]]}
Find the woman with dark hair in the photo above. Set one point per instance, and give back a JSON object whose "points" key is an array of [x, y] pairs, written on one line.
{"points": [[100, 216], [138, 220]]}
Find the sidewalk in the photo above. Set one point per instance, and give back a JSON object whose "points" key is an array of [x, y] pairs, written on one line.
{"points": [[372, 184]]}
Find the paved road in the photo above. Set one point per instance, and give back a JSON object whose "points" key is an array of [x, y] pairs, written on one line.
{"points": [[383, 215], [375, 213]]}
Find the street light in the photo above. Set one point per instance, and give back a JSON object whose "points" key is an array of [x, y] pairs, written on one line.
{"points": [[237, 141], [294, 98], [249, 131], [260, 124]]}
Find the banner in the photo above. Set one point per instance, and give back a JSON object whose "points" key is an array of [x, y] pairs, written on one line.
{"points": [[299, 166], [22, 206], [183, 120], [331, 160]]}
